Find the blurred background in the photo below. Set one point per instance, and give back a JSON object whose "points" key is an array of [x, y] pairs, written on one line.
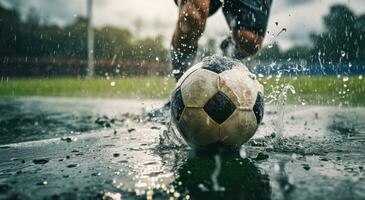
{"points": [[48, 47], [69, 68]]}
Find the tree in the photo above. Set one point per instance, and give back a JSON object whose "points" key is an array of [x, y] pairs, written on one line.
{"points": [[342, 40], [269, 52], [32, 39], [298, 52]]}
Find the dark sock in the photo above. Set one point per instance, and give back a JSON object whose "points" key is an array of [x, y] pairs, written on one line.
{"points": [[181, 61]]}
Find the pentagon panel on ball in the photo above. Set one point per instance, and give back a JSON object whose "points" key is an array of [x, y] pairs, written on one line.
{"points": [[217, 103]]}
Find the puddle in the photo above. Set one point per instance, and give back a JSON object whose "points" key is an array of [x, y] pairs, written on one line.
{"points": [[321, 150]]}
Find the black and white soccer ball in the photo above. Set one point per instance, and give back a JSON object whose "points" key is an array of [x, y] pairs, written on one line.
{"points": [[217, 103]]}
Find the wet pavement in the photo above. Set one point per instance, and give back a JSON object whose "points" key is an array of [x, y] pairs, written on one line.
{"points": [[28, 119], [110, 149]]}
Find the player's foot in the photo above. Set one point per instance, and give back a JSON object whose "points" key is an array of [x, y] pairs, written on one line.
{"points": [[229, 49]]}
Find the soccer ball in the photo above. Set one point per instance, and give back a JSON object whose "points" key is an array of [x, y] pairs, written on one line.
{"points": [[217, 103]]}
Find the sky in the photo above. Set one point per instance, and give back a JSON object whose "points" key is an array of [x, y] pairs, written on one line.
{"points": [[299, 17]]}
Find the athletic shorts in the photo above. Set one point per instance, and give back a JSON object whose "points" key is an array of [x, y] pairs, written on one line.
{"points": [[251, 15]]}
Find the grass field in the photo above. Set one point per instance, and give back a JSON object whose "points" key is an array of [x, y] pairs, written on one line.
{"points": [[309, 90]]}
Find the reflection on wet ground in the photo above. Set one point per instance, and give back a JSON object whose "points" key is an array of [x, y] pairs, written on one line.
{"points": [[114, 151], [237, 178], [33, 119]]}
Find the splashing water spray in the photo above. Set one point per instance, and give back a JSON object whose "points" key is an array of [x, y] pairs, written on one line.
{"points": [[280, 111], [170, 138]]}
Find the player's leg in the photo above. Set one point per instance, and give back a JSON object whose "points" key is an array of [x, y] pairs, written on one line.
{"points": [[191, 22], [247, 42], [248, 21]]}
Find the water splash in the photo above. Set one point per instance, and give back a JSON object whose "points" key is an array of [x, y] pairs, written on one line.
{"points": [[274, 36], [215, 174], [283, 30], [243, 153], [280, 111], [320, 62], [171, 139]]}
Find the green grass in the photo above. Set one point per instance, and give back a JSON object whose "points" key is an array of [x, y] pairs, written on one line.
{"points": [[328, 90], [309, 90], [133, 87]]}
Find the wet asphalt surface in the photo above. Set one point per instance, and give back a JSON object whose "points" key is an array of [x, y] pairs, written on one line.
{"points": [[100, 149]]}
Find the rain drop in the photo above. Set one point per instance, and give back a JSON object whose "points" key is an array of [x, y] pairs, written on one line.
{"points": [[343, 53], [243, 153]]}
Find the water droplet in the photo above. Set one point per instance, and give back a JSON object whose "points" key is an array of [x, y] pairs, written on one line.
{"points": [[111, 195], [345, 78], [42, 183], [243, 152], [360, 77], [112, 83], [176, 195], [343, 53]]}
